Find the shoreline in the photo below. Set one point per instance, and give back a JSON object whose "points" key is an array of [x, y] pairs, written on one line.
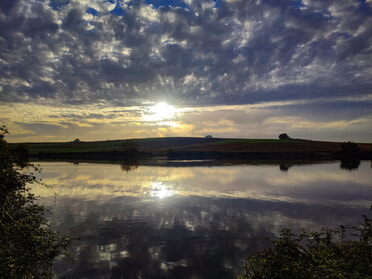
{"points": [[188, 148], [196, 158]]}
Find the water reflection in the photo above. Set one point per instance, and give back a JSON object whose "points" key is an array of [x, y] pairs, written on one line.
{"points": [[161, 190], [127, 167], [319, 183], [350, 164], [178, 238], [191, 222], [284, 166]]}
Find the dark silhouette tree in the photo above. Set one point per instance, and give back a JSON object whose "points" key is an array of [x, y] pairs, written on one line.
{"points": [[349, 149], [129, 145], [349, 156], [28, 245], [284, 136]]}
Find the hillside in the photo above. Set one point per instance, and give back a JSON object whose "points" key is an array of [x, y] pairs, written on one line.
{"points": [[192, 144]]}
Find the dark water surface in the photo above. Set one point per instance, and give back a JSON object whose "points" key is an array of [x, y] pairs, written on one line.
{"points": [[191, 222]]}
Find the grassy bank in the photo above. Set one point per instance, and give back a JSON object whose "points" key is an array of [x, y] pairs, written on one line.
{"points": [[160, 145]]}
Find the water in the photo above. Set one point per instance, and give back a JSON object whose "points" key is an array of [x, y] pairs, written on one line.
{"points": [[191, 222]]}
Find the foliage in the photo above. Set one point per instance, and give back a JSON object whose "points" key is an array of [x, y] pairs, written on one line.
{"points": [[129, 145], [28, 246], [349, 148], [341, 253], [349, 156], [131, 154], [284, 137]]}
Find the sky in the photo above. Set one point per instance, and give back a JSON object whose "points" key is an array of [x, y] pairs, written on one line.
{"points": [[119, 69]]}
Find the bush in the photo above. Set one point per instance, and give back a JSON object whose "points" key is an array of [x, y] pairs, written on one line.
{"points": [[341, 253], [349, 147], [284, 137], [28, 246]]}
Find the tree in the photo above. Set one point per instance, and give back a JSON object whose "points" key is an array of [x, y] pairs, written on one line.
{"points": [[349, 149], [349, 155], [28, 245], [129, 145], [341, 253], [284, 137]]}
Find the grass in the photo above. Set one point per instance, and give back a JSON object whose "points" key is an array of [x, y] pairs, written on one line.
{"points": [[62, 147], [250, 141], [192, 144]]}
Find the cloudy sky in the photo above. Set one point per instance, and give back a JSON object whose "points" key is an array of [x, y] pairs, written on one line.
{"points": [[112, 69]]}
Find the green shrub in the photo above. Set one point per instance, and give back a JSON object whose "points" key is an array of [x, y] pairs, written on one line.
{"points": [[28, 246], [344, 253]]}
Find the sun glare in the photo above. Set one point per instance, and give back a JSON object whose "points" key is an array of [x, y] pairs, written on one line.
{"points": [[160, 190], [160, 111]]}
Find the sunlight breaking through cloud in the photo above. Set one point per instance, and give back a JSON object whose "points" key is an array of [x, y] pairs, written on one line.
{"points": [[110, 59]]}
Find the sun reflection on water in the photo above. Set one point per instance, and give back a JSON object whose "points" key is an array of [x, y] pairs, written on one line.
{"points": [[262, 182], [161, 190]]}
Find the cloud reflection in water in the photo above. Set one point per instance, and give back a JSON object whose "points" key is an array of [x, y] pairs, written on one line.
{"points": [[168, 222], [320, 183]]}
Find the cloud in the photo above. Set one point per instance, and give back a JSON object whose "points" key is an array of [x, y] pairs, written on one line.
{"points": [[240, 68], [196, 52], [300, 119]]}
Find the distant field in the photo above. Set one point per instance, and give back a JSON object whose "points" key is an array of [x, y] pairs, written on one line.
{"points": [[62, 147], [192, 144]]}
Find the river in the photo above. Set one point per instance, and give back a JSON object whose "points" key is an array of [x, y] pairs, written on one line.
{"points": [[191, 221]]}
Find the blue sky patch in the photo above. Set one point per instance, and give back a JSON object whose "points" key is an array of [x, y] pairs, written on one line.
{"points": [[58, 4], [218, 3], [118, 10], [166, 3], [297, 4], [92, 11]]}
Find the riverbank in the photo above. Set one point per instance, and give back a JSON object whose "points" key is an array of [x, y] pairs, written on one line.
{"points": [[189, 148]]}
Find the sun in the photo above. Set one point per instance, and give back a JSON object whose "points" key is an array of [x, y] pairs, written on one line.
{"points": [[161, 111]]}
